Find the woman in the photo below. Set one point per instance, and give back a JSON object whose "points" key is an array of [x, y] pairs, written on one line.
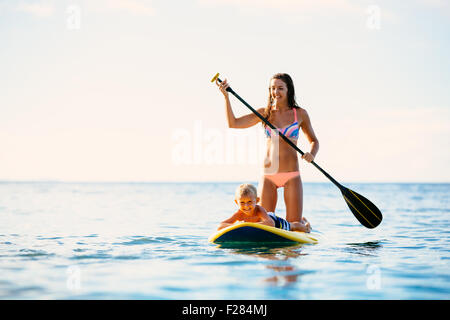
{"points": [[281, 161]]}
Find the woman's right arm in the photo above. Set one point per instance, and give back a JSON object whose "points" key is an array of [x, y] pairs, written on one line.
{"points": [[233, 122]]}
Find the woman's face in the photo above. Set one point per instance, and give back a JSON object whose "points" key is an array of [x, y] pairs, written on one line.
{"points": [[278, 91]]}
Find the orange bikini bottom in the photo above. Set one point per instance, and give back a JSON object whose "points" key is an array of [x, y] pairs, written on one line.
{"points": [[281, 178]]}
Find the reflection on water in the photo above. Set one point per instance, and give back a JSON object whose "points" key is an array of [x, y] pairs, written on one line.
{"points": [[285, 273], [250, 247], [369, 248]]}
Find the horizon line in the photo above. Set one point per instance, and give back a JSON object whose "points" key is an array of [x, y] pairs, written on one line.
{"points": [[201, 181]]}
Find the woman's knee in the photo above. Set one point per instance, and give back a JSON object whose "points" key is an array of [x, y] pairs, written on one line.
{"points": [[293, 196]]}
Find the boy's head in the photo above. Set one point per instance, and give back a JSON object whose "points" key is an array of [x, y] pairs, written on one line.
{"points": [[246, 197]]}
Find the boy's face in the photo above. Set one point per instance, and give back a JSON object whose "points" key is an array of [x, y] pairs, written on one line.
{"points": [[247, 204]]}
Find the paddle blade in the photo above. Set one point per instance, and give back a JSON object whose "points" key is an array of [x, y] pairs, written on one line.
{"points": [[363, 209]]}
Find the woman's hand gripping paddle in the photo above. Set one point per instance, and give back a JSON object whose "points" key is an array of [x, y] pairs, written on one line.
{"points": [[363, 209]]}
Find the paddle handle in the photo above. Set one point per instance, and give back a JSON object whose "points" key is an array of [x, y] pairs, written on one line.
{"points": [[288, 141]]}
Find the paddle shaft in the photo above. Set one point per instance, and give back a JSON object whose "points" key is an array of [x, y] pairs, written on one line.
{"points": [[293, 145]]}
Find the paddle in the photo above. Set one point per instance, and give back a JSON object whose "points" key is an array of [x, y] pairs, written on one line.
{"points": [[363, 209]]}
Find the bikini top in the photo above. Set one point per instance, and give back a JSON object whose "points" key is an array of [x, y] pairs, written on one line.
{"points": [[290, 131]]}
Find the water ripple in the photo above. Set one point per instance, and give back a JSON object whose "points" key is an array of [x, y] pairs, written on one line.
{"points": [[145, 240]]}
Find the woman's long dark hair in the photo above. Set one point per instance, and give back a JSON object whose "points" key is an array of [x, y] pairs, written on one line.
{"points": [[292, 103]]}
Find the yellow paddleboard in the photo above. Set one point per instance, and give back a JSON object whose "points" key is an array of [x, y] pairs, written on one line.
{"points": [[255, 232]]}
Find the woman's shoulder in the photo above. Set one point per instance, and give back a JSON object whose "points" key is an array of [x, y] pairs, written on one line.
{"points": [[302, 113], [300, 109], [261, 110]]}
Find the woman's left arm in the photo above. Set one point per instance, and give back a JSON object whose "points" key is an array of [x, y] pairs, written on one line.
{"points": [[310, 135]]}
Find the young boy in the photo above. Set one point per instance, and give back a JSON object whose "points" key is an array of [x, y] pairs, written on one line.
{"points": [[246, 199]]}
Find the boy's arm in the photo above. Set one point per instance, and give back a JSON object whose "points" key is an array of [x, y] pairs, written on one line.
{"points": [[265, 218], [229, 221]]}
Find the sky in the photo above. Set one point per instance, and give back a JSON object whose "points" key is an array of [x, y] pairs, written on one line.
{"points": [[119, 90]]}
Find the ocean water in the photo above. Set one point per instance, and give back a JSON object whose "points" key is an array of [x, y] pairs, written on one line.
{"points": [[149, 241]]}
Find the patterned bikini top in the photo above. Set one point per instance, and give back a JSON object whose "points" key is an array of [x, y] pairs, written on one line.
{"points": [[290, 131]]}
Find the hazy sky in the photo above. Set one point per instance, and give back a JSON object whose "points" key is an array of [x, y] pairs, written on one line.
{"points": [[119, 90]]}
